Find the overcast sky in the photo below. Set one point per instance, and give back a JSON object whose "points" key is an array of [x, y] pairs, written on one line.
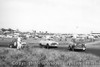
{"points": [[58, 16]]}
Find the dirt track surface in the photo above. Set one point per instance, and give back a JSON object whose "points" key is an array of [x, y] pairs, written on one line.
{"points": [[92, 48], [64, 48]]}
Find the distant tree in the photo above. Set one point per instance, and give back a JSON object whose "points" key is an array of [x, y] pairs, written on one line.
{"points": [[34, 31], [11, 30], [46, 32], [3, 29], [17, 31]]}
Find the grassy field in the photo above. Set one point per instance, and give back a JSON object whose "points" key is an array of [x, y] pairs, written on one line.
{"points": [[33, 56]]}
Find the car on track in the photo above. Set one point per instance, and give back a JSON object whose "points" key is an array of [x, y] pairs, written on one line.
{"points": [[77, 46], [48, 43]]}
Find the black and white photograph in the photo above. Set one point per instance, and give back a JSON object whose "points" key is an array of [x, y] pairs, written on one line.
{"points": [[49, 33]]}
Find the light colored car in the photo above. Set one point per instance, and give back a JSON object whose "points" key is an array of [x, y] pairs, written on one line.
{"points": [[48, 43]]}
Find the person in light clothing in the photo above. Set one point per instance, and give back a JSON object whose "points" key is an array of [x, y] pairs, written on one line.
{"points": [[19, 45]]}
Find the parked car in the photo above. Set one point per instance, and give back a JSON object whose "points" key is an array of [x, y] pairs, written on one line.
{"points": [[77, 46], [9, 42], [48, 43]]}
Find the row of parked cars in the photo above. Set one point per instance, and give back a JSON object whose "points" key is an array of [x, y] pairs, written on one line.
{"points": [[47, 43]]}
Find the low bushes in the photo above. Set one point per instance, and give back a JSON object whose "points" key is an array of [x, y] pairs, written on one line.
{"points": [[37, 57]]}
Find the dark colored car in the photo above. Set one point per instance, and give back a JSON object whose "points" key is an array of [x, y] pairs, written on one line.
{"points": [[8, 42], [77, 46]]}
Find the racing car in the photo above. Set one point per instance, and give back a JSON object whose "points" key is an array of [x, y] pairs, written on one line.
{"points": [[74, 45], [77, 46], [48, 43]]}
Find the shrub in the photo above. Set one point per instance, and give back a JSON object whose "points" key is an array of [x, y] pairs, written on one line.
{"points": [[37, 57]]}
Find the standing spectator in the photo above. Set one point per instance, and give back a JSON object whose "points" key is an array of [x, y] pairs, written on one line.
{"points": [[19, 45]]}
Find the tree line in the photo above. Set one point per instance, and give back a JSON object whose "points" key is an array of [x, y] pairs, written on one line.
{"points": [[9, 29]]}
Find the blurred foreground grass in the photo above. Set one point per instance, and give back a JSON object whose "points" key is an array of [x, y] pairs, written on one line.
{"points": [[37, 57]]}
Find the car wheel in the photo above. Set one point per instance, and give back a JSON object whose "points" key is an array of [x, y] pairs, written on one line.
{"points": [[10, 46], [69, 48], [40, 45], [72, 49]]}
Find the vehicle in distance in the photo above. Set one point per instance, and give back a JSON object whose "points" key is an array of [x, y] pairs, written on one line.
{"points": [[77, 46], [48, 43]]}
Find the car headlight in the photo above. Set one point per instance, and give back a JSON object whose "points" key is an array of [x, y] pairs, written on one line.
{"points": [[84, 48]]}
